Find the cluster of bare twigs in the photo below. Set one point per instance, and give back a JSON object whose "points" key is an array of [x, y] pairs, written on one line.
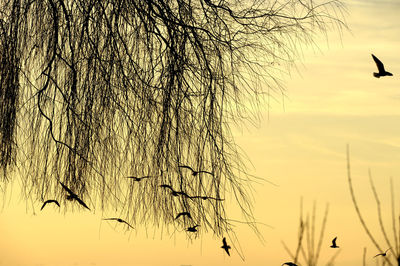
{"points": [[391, 239], [309, 252], [95, 90]]}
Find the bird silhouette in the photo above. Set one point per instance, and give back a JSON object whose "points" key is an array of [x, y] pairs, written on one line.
{"points": [[183, 214], [194, 172], [73, 196], [181, 193], [382, 72], [135, 178], [382, 254], [192, 228], [334, 243], [118, 220], [290, 264], [225, 246], [50, 201], [174, 192], [204, 198]]}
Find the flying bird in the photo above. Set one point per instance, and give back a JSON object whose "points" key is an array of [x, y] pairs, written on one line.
{"points": [[50, 201], [382, 72], [183, 214], [382, 254], [135, 178], [73, 196], [334, 243], [204, 198], [192, 229], [118, 220], [225, 246], [290, 264], [174, 192], [194, 172]]}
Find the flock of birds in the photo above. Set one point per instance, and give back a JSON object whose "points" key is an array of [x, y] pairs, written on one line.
{"points": [[73, 196]]}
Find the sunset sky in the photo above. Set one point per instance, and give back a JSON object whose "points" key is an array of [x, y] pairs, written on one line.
{"points": [[332, 100]]}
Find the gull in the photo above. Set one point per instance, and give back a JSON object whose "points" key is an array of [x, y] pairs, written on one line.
{"points": [[50, 201], [118, 220], [73, 196], [382, 254], [382, 72], [177, 193], [182, 214], [204, 198], [334, 243], [174, 192], [290, 264], [225, 246], [192, 229], [194, 173], [135, 178]]}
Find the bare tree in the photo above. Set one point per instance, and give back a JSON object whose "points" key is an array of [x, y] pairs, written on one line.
{"points": [[309, 252], [391, 239], [93, 91]]}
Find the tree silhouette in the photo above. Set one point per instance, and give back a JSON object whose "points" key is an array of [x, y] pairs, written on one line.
{"points": [[93, 91], [391, 239]]}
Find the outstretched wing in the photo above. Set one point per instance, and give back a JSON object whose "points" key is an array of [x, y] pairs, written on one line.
{"points": [[133, 177], [44, 204], [378, 63], [167, 186], [183, 213], [227, 251], [66, 188], [127, 224], [82, 203], [179, 215], [49, 201], [111, 219], [224, 241], [206, 172], [334, 241], [138, 178], [187, 167]]}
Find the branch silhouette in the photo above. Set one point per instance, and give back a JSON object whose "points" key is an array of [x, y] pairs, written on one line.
{"points": [[92, 91]]}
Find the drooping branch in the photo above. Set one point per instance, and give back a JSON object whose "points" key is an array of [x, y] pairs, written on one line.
{"points": [[103, 90]]}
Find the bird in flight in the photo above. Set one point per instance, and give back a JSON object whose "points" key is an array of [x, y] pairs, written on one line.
{"points": [[204, 198], [225, 246], [382, 72], [119, 220], [334, 243], [183, 214], [73, 196], [135, 178], [290, 264], [382, 254], [174, 192], [50, 201], [192, 229], [195, 173], [177, 193]]}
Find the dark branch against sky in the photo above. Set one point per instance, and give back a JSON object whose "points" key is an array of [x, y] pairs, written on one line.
{"points": [[94, 91]]}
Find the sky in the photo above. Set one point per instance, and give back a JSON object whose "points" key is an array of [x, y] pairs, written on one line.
{"points": [[299, 145]]}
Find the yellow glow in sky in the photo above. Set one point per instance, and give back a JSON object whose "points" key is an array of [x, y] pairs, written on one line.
{"points": [[334, 100]]}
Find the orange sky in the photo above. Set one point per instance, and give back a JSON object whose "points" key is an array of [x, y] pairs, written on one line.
{"points": [[332, 100]]}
